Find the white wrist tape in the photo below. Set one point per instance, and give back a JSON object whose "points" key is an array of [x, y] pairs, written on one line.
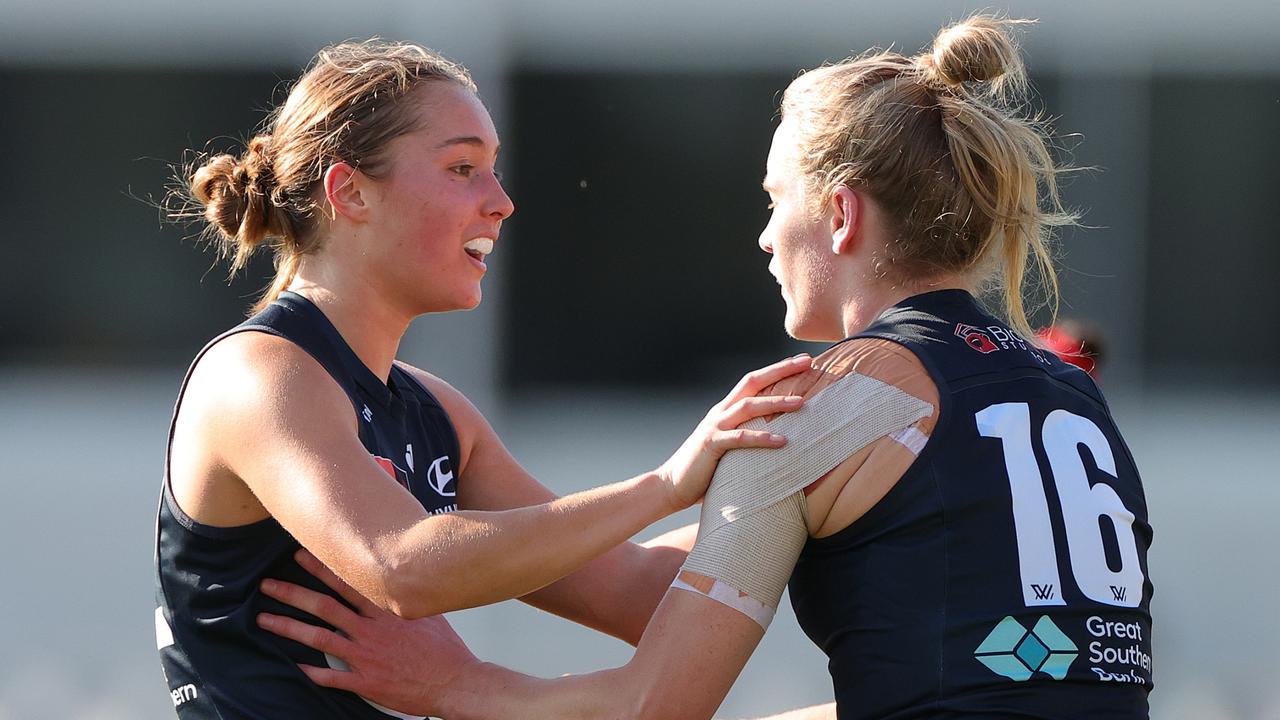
{"points": [[753, 523]]}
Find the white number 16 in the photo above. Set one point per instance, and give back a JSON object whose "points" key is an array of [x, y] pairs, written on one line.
{"points": [[1082, 507]]}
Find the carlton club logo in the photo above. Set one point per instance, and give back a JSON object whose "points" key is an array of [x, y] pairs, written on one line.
{"points": [[439, 474], [976, 338], [395, 471]]}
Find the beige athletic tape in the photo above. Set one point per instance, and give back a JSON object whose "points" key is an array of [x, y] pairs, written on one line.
{"points": [[727, 595], [753, 523], [843, 418], [754, 554]]}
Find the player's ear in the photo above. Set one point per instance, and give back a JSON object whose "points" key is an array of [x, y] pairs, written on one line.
{"points": [[344, 186], [846, 215]]}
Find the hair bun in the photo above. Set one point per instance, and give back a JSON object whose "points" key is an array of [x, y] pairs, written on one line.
{"points": [[978, 49], [221, 186], [237, 195]]}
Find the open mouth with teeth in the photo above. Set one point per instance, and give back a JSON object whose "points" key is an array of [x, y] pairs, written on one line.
{"points": [[479, 248]]}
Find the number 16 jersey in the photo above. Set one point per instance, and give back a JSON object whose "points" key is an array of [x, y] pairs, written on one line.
{"points": [[1005, 574]]}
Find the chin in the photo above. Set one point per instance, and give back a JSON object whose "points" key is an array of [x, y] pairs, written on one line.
{"points": [[805, 328], [472, 302], [468, 301]]}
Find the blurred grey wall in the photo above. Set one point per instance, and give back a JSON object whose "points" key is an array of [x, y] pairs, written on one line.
{"points": [[635, 136], [626, 293]]}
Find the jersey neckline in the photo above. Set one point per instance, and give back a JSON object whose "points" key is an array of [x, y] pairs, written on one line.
{"points": [[383, 393]]}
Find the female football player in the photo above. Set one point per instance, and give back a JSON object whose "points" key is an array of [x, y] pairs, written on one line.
{"points": [[374, 185]]}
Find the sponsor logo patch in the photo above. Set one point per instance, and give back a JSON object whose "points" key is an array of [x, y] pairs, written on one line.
{"points": [[1017, 653], [440, 476], [991, 338], [976, 338]]}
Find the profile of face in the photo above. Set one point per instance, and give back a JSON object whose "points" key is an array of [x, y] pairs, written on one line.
{"points": [[435, 211], [801, 245]]}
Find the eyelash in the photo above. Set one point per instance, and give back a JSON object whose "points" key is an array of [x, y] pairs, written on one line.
{"points": [[466, 169]]}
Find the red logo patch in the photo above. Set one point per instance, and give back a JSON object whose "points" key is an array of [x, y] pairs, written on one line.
{"points": [[396, 473], [976, 338]]}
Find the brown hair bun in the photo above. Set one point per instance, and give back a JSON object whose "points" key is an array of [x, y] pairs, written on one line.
{"points": [[238, 200], [347, 107]]}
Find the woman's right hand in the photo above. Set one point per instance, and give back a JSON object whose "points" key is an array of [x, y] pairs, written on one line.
{"points": [[689, 470]]}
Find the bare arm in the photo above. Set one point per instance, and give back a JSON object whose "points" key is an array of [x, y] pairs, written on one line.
{"points": [[817, 712], [275, 420], [689, 631], [409, 666], [615, 593], [685, 662], [618, 592]]}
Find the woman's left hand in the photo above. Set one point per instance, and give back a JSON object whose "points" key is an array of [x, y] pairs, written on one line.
{"points": [[403, 664]]}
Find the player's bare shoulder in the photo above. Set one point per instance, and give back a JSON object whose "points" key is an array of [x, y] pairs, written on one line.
{"points": [[240, 392], [251, 373], [248, 388], [850, 489], [883, 360]]}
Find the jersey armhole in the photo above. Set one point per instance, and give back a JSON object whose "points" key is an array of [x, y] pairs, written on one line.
{"points": [[167, 497]]}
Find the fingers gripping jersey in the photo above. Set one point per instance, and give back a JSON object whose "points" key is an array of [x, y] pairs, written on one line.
{"points": [[1005, 574], [217, 662]]}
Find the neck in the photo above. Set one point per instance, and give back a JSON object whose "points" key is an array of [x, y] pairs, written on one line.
{"points": [[862, 307], [370, 324]]}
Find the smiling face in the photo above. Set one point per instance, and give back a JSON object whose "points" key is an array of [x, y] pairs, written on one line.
{"points": [[801, 246], [437, 210]]}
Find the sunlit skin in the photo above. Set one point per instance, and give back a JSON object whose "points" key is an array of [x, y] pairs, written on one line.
{"points": [[826, 265], [394, 245], [841, 260], [265, 431], [826, 268]]}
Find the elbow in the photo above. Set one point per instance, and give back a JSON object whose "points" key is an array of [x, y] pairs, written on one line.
{"points": [[654, 701], [406, 590], [407, 607], [630, 630], [652, 706], [628, 699]]}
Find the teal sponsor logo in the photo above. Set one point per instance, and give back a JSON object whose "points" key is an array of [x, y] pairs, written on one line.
{"points": [[1017, 653]]}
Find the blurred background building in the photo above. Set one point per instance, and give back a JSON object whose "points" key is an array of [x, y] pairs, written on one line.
{"points": [[626, 294]]}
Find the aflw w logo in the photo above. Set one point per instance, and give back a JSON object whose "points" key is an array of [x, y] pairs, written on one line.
{"points": [[1045, 592]]}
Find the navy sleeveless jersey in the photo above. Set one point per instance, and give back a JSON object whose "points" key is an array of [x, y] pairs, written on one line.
{"points": [[1005, 575], [217, 662]]}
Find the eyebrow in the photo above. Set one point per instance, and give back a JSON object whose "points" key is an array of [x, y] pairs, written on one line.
{"points": [[463, 140]]}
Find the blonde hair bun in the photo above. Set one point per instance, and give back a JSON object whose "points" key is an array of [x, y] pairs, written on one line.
{"points": [[946, 144], [978, 49]]}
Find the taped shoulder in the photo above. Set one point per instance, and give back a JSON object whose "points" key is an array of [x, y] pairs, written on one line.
{"points": [[754, 517]]}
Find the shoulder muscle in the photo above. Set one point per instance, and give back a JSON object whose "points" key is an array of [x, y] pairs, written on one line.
{"points": [[843, 495]]}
